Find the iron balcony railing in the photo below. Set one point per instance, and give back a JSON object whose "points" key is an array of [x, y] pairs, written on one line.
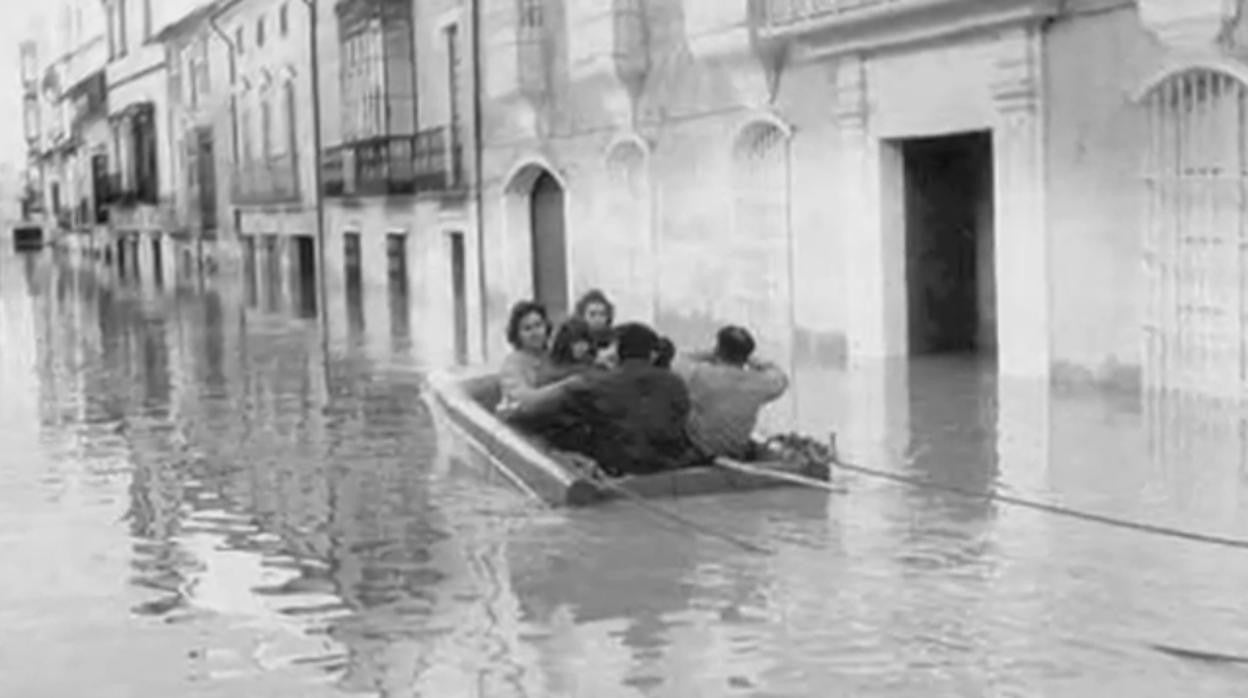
{"points": [[269, 181], [123, 191], [429, 161]]}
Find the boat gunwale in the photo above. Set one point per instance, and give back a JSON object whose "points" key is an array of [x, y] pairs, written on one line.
{"points": [[561, 485], [448, 387]]}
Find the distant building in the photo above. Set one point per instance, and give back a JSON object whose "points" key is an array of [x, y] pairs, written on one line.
{"points": [[198, 71], [143, 168], [396, 95]]}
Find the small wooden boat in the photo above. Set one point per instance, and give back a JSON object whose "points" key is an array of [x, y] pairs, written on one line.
{"points": [[463, 405]]}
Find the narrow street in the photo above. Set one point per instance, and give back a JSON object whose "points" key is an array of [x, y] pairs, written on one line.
{"points": [[198, 501]]}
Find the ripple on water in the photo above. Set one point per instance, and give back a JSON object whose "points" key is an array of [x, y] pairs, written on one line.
{"points": [[196, 483]]}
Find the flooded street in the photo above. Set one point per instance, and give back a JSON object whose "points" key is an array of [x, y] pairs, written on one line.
{"points": [[203, 495]]}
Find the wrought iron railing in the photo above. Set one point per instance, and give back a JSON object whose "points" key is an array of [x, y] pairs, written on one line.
{"points": [[123, 191], [429, 161]]}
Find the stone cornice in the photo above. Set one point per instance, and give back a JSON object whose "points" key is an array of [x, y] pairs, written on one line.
{"points": [[1190, 25], [900, 23]]}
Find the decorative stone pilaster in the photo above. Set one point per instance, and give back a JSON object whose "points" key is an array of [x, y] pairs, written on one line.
{"points": [[1022, 255], [859, 176]]}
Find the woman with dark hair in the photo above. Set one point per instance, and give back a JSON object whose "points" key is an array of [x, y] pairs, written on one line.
{"points": [[599, 313], [571, 352], [528, 330]]}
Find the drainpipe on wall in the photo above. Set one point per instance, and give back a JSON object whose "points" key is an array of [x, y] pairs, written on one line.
{"points": [[318, 185], [478, 174]]}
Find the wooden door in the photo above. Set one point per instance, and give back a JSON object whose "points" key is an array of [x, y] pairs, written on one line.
{"points": [[550, 264]]}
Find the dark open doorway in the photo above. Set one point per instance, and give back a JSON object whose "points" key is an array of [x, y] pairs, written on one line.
{"points": [[459, 296], [158, 262], [352, 262], [550, 272], [305, 274], [400, 287], [950, 273]]}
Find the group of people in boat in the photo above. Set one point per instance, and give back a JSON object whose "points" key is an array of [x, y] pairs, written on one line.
{"points": [[621, 394]]}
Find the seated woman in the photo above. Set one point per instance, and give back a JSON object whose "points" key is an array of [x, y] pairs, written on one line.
{"points": [[528, 331], [571, 353], [599, 314]]}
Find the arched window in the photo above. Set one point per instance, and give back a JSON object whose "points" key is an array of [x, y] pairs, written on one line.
{"points": [[1196, 233], [759, 283], [627, 268]]}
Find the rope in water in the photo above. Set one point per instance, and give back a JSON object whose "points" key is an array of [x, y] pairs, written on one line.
{"points": [[812, 448], [1049, 508]]}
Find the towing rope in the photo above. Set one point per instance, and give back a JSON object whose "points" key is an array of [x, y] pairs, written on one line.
{"points": [[828, 452]]}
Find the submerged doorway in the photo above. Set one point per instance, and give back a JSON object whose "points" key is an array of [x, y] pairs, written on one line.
{"points": [[949, 244], [550, 272], [459, 296], [305, 274]]}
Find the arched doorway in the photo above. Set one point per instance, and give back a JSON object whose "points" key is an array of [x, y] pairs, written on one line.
{"points": [[549, 244], [1195, 181]]}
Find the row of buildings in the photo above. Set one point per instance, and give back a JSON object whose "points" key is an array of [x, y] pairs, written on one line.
{"points": [[1057, 183]]}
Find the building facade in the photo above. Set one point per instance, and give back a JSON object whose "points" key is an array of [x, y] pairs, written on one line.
{"points": [[198, 103], [859, 181], [63, 66], [141, 174], [396, 88], [269, 146]]}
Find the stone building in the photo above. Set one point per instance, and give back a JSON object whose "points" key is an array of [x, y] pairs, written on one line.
{"points": [[263, 58], [866, 180], [140, 165], [70, 141], [396, 90], [198, 91]]}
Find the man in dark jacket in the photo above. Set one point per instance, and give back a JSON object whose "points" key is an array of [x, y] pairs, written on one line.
{"points": [[630, 419]]}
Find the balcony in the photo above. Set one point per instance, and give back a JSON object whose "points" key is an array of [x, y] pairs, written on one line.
{"points": [[271, 181], [428, 162], [132, 191]]}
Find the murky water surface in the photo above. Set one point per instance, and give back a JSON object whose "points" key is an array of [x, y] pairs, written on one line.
{"points": [[202, 497]]}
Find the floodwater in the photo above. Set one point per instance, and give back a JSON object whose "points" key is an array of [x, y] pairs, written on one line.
{"points": [[202, 495]]}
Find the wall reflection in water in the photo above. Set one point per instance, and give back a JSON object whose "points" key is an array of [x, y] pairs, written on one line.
{"points": [[300, 508]]}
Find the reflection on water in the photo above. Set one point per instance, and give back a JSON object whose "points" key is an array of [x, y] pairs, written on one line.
{"points": [[196, 500]]}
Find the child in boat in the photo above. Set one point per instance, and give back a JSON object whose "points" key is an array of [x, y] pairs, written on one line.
{"points": [[599, 313], [571, 352]]}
